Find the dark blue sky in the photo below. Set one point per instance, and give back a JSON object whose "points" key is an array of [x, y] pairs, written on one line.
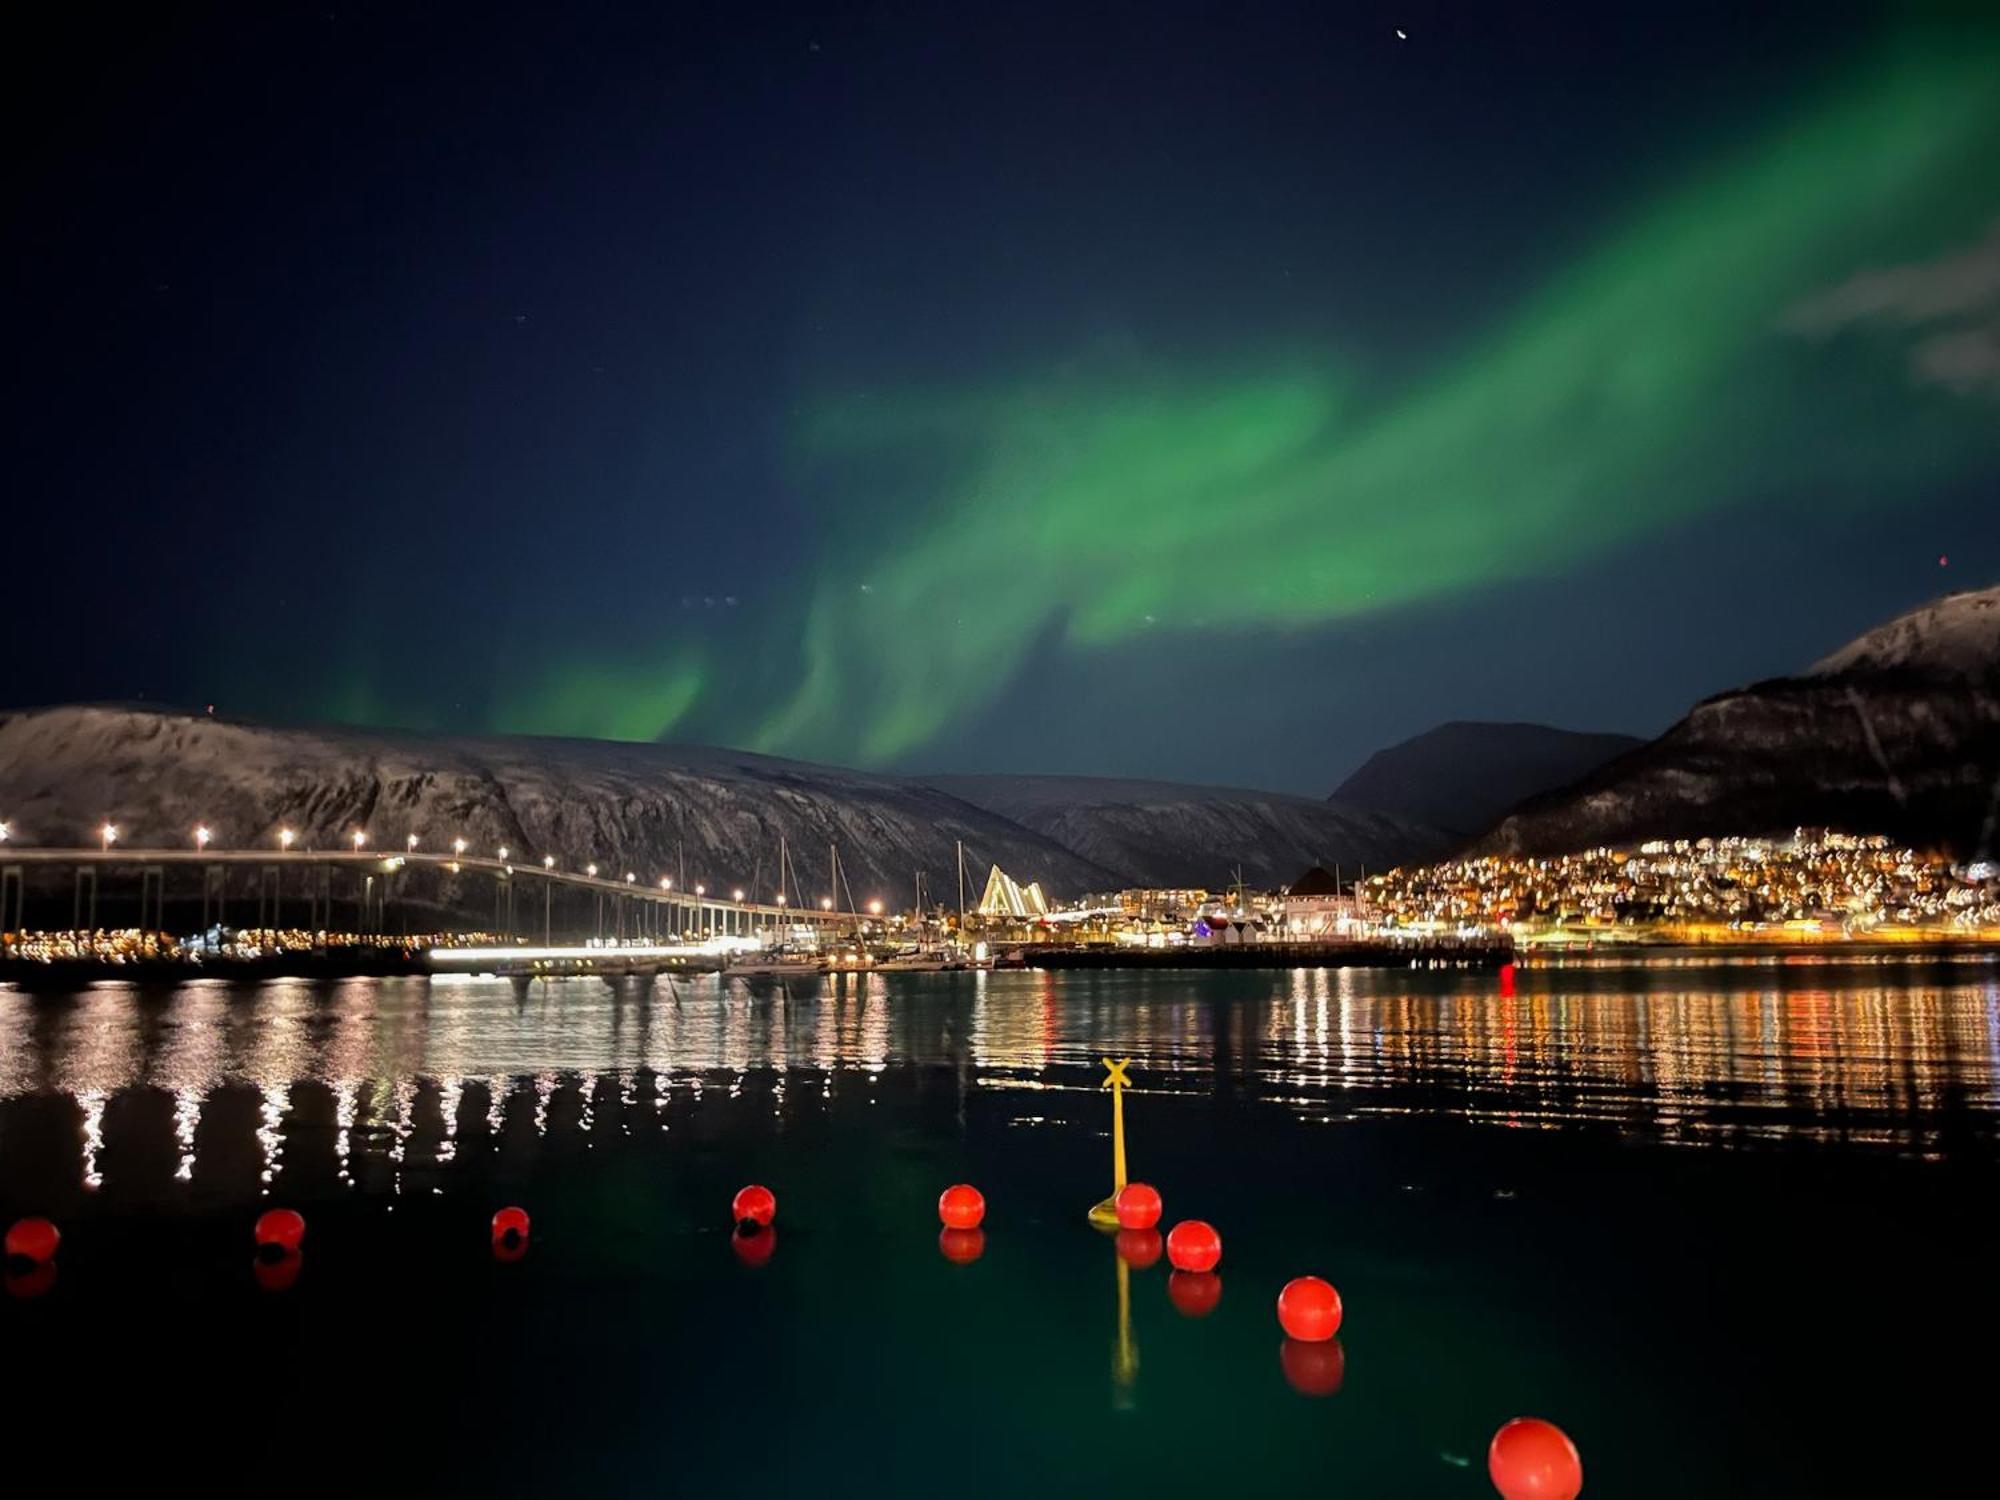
{"points": [[1210, 391]]}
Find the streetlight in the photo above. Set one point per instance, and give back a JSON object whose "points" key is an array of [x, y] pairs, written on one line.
{"points": [[701, 890], [410, 843], [591, 871], [503, 854], [109, 833], [285, 837], [6, 832], [666, 884], [548, 861], [630, 878], [201, 837], [781, 898], [874, 908], [458, 847], [826, 903], [737, 895], [360, 838]]}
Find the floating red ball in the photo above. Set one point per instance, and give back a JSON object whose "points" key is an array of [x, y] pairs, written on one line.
{"points": [[754, 1205], [510, 1222], [1315, 1369], [961, 1246], [1530, 1459], [753, 1243], [33, 1240], [276, 1273], [1194, 1294], [282, 1227], [1138, 1206], [961, 1206], [1193, 1245], [1309, 1310], [1140, 1248]]}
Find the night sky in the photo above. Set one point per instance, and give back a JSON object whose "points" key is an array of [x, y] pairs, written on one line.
{"points": [[1209, 391]]}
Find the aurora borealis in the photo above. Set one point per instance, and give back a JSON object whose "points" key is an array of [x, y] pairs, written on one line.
{"points": [[874, 417]]}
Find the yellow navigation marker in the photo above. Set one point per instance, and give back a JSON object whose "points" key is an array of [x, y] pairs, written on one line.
{"points": [[1105, 1214]]}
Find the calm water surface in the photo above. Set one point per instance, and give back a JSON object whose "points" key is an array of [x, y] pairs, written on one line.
{"points": [[1730, 1225]]}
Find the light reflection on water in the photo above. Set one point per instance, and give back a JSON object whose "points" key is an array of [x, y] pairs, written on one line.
{"points": [[1904, 1057]]}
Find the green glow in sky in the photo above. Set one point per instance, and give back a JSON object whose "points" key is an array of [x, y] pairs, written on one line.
{"points": [[1647, 383]]}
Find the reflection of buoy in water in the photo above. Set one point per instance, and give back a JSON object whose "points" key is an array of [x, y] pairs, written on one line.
{"points": [[1314, 1369], [754, 1205], [282, 1227], [1138, 1205], [1530, 1459], [510, 1224], [1140, 1248], [753, 1242], [1506, 981], [33, 1240], [509, 1248], [277, 1268], [1193, 1245], [32, 1280], [1309, 1310], [1194, 1294], [961, 1246], [961, 1206]]}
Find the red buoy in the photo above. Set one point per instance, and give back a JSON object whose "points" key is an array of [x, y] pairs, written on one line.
{"points": [[510, 1224], [1313, 1369], [753, 1242], [961, 1206], [1194, 1294], [33, 1240], [1140, 1248], [1138, 1206], [754, 1205], [277, 1272], [961, 1245], [282, 1227], [1193, 1245], [32, 1282], [1530, 1459], [1309, 1310]]}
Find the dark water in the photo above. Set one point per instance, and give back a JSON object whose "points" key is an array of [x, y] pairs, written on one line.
{"points": [[1729, 1226]]}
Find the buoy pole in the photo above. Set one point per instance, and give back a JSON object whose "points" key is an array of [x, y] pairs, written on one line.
{"points": [[1105, 1214], [1125, 1352]]}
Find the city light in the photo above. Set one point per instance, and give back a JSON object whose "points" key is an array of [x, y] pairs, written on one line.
{"points": [[666, 884], [410, 843], [503, 854], [737, 894], [826, 903], [548, 861], [458, 847], [591, 871], [201, 837], [109, 833], [630, 878], [285, 837], [360, 838], [6, 832], [875, 908], [701, 890], [781, 898]]}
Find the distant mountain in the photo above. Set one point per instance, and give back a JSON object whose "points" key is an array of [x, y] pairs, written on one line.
{"points": [[1897, 732], [637, 807], [1463, 775], [1168, 833]]}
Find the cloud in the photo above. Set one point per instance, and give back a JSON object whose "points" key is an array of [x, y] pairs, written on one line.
{"points": [[1955, 298]]}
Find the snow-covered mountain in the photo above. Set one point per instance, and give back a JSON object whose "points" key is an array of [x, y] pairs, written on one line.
{"points": [[716, 815], [1462, 775], [1169, 833], [649, 809], [1897, 732]]}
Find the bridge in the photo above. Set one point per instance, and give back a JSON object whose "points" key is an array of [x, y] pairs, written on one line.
{"points": [[625, 907]]}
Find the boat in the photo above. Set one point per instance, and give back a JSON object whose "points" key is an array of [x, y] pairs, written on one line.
{"points": [[772, 963]]}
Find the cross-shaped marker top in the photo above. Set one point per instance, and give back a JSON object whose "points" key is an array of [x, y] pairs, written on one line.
{"points": [[1115, 1076]]}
